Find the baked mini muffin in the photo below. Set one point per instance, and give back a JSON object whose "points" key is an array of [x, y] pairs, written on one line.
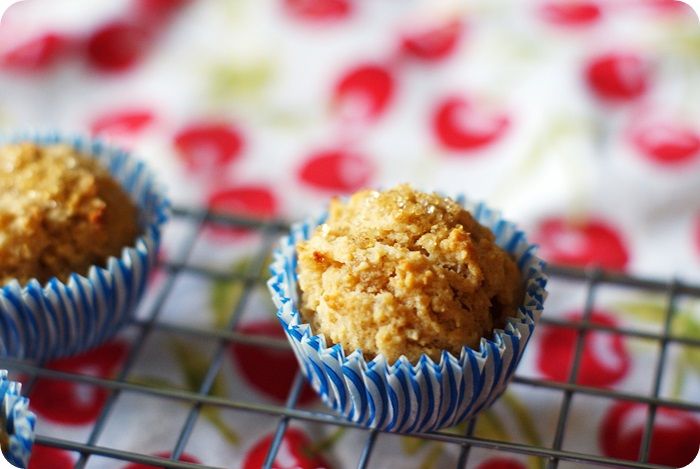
{"points": [[60, 212], [80, 225], [403, 272], [408, 312]]}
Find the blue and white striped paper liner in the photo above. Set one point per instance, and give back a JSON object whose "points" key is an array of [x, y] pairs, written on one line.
{"points": [[56, 319], [18, 422], [405, 397]]}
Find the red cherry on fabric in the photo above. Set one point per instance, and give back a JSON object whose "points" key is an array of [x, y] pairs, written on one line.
{"points": [[184, 457], [501, 463], [319, 10], [432, 43], [605, 360], [38, 54], [293, 453], [617, 76], [44, 457], [248, 201], [270, 371], [669, 6], [122, 125], [154, 13], [588, 242], [571, 13], [675, 436], [117, 46], [336, 170], [71, 403], [208, 146], [364, 92], [666, 143], [460, 126]]}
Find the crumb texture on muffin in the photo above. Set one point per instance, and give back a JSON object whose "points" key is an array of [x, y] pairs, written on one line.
{"points": [[60, 212], [402, 272]]}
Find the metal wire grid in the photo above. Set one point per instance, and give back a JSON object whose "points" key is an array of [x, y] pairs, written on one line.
{"points": [[270, 230]]}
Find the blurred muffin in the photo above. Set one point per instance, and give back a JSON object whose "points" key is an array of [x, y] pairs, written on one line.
{"points": [[80, 229], [60, 212], [402, 272]]}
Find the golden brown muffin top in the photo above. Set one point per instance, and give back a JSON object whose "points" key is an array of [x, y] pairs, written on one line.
{"points": [[60, 212], [402, 272]]}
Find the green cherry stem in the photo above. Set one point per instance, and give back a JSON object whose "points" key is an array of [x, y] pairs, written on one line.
{"points": [[523, 418], [679, 378], [325, 444], [526, 425], [433, 456], [214, 417], [493, 423]]}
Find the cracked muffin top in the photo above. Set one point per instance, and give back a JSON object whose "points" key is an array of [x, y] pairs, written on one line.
{"points": [[403, 272], [60, 212]]}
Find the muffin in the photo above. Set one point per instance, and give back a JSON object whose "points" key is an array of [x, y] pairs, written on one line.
{"points": [[407, 311], [80, 226], [403, 272], [60, 212], [16, 423]]}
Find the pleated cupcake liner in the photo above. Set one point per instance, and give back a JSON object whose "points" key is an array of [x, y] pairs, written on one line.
{"points": [[17, 429], [56, 319], [405, 397]]}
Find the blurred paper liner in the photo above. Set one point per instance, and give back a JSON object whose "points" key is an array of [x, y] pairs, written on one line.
{"points": [[43, 322], [405, 397], [16, 423]]}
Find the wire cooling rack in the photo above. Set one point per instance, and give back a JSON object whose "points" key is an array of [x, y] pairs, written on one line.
{"points": [[270, 231]]}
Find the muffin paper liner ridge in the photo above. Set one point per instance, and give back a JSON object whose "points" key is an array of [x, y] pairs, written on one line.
{"points": [[405, 397], [16, 422], [43, 322]]}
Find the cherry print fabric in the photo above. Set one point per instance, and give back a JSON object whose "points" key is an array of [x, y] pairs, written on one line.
{"points": [[578, 118]]}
